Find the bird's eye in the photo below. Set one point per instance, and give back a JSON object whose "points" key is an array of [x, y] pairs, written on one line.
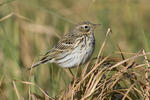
{"points": [[85, 27]]}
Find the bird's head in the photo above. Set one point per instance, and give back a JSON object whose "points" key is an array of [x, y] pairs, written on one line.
{"points": [[85, 28]]}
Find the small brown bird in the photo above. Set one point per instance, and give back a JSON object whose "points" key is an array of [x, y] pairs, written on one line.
{"points": [[74, 48]]}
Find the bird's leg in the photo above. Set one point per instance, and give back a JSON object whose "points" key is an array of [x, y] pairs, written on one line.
{"points": [[70, 73], [78, 71]]}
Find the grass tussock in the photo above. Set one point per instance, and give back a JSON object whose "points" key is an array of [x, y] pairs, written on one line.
{"points": [[110, 82]]}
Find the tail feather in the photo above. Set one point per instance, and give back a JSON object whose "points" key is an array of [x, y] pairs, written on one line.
{"points": [[37, 64]]}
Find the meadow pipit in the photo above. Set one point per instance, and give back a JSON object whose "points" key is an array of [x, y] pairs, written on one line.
{"points": [[74, 48]]}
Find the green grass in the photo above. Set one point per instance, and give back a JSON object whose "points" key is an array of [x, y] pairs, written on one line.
{"points": [[29, 28]]}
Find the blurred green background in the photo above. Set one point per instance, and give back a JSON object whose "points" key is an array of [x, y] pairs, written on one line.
{"points": [[28, 28]]}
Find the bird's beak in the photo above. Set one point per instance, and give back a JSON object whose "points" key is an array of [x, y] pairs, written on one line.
{"points": [[95, 25]]}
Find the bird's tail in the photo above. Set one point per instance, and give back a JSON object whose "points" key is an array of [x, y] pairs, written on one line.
{"points": [[37, 64]]}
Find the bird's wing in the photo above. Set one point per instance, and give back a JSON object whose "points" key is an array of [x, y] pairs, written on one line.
{"points": [[64, 44]]}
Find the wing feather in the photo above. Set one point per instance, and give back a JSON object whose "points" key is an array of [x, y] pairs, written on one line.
{"points": [[64, 44]]}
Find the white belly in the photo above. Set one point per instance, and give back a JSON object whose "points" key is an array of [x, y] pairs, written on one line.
{"points": [[79, 55]]}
